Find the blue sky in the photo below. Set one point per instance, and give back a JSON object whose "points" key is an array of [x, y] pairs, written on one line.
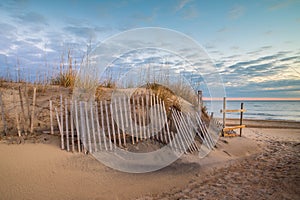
{"points": [[255, 44]]}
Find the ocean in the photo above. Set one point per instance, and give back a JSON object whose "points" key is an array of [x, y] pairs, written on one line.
{"points": [[266, 110]]}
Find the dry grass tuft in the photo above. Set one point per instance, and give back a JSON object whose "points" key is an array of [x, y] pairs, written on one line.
{"points": [[166, 95]]}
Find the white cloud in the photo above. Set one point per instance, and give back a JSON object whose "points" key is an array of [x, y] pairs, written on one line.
{"points": [[181, 4], [236, 12]]}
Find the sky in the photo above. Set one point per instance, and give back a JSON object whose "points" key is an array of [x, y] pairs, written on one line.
{"points": [[255, 45]]}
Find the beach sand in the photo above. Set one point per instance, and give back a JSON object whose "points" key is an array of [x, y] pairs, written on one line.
{"points": [[262, 164]]}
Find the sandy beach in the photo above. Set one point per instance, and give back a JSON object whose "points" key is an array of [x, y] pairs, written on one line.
{"points": [[262, 164]]}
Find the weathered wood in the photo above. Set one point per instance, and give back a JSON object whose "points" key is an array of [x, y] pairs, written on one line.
{"points": [[27, 105], [134, 118], [113, 125], [32, 111], [93, 125], [51, 117], [62, 144], [159, 119], [24, 117], [163, 119], [188, 131], [147, 113], [184, 143], [98, 126], [102, 125], [200, 101], [72, 125], [88, 132], [239, 110], [139, 117], [61, 112], [241, 118], [179, 128], [77, 126], [151, 115], [118, 123], [122, 121], [83, 126], [185, 131], [233, 127], [166, 120], [155, 117], [211, 115], [125, 112], [173, 142], [204, 140], [130, 120], [107, 124], [204, 131], [18, 124], [224, 115], [3, 115], [67, 125], [143, 117]]}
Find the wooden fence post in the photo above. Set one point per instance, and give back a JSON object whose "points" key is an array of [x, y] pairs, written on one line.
{"points": [[122, 121], [107, 124], [72, 124], [224, 115], [200, 103], [241, 118], [113, 125], [51, 117], [77, 126], [60, 130], [32, 111], [3, 115], [67, 125], [98, 126]]}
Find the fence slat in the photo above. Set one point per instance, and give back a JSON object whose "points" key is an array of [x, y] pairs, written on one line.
{"points": [[117, 118], [107, 124], [67, 125], [60, 130], [88, 127], [98, 125], [77, 126], [72, 125], [113, 125], [93, 126], [122, 121], [32, 111], [51, 117], [102, 124], [83, 126], [130, 120], [134, 118]]}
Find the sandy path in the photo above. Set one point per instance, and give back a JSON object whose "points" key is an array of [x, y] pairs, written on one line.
{"points": [[272, 174]]}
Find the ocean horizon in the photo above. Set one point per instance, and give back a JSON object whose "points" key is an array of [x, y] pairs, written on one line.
{"points": [[259, 109]]}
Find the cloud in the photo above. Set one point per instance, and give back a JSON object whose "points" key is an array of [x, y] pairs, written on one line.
{"points": [[236, 12], [261, 76], [32, 18], [7, 29], [181, 4], [281, 5], [86, 32], [222, 30], [269, 32]]}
